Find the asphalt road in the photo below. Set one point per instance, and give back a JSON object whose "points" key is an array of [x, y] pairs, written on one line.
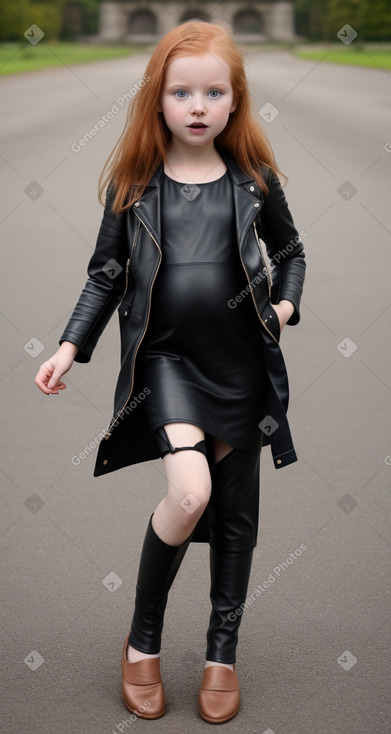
{"points": [[314, 647]]}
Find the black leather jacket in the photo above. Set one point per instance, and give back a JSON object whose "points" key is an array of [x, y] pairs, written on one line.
{"points": [[122, 271]]}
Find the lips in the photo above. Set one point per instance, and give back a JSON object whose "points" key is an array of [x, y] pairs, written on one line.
{"points": [[197, 124]]}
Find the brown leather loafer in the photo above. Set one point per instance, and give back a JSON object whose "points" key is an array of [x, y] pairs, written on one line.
{"points": [[142, 686], [219, 697]]}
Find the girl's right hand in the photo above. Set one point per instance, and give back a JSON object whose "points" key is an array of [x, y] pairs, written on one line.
{"points": [[49, 375]]}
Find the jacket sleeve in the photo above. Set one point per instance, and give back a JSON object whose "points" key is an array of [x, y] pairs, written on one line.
{"points": [[102, 292], [284, 247]]}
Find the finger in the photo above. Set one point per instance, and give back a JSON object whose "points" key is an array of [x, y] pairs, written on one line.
{"points": [[46, 375], [41, 386], [55, 378], [41, 380], [56, 388]]}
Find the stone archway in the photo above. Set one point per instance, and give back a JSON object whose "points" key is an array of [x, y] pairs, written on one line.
{"points": [[142, 22], [248, 21], [138, 21]]}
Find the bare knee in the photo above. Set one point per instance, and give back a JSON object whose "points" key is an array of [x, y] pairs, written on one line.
{"points": [[188, 481], [185, 503]]}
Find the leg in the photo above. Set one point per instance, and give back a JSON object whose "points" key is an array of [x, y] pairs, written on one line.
{"points": [[188, 482], [142, 686], [169, 533], [221, 449], [233, 511], [188, 492]]}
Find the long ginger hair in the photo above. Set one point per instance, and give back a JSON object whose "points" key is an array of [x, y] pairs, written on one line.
{"points": [[145, 137]]}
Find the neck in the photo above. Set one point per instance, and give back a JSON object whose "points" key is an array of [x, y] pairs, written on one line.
{"points": [[180, 154]]}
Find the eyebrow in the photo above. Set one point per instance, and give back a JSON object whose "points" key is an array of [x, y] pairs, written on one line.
{"points": [[184, 84]]}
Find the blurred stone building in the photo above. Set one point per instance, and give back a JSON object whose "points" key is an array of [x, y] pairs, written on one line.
{"points": [[148, 20]]}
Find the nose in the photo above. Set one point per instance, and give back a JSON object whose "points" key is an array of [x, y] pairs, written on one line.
{"points": [[198, 105]]}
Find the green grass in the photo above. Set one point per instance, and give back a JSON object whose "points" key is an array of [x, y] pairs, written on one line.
{"points": [[21, 57], [370, 55]]}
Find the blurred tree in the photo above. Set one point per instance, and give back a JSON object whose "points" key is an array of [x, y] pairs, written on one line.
{"points": [[15, 18], [79, 18], [319, 20], [57, 19], [310, 17], [338, 14], [378, 21], [370, 18]]}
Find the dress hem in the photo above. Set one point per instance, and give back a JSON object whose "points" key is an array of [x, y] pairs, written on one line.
{"points": [[209, 431]]}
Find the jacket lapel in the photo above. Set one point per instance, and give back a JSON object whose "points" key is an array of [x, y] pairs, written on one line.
{"points": [[149, 205], [248, 198]]}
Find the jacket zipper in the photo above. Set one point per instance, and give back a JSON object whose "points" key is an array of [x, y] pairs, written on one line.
{"points": [[252, 295], [135, 241], [129, 260], [114, 420], [265, 267], [126, 281]]}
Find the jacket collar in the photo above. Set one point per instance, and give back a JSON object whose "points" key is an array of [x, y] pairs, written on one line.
{"points": [[248, 199]]}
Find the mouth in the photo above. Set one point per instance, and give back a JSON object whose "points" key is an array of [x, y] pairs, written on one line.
{"points": [[197, 124]]}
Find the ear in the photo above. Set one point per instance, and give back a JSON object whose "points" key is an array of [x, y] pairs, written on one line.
{"points": [[233, 106]]}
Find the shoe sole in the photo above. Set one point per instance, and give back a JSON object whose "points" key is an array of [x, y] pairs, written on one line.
{"points": [[218, 721], [141, 716]]}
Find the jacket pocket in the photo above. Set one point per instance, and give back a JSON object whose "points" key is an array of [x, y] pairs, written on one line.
{"points": [[125, 306], [270, 318]]}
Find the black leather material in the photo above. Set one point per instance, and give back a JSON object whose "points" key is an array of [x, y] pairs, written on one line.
{"points": [[201, 359], [232, 514], [159, 564], [233, 508], [134, 239], [275, 426], [230, 573], [210, 207]]}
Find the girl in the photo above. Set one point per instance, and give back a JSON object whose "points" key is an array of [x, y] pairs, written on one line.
{"points": [[192, 190]]}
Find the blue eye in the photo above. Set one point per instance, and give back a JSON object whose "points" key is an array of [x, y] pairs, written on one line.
{"points": [[181, 93]]}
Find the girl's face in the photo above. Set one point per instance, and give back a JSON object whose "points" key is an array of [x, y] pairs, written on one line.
{"points": [[197, 89]]}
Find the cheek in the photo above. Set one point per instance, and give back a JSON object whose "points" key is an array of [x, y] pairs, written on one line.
{"points": [[223, 115], [171, 111], [223, 110]]}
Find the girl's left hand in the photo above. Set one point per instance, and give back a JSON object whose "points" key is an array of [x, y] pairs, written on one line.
{"points": [[284, 310]]}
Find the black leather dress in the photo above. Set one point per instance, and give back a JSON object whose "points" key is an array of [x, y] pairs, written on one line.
{"points": [[201, 358]]}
